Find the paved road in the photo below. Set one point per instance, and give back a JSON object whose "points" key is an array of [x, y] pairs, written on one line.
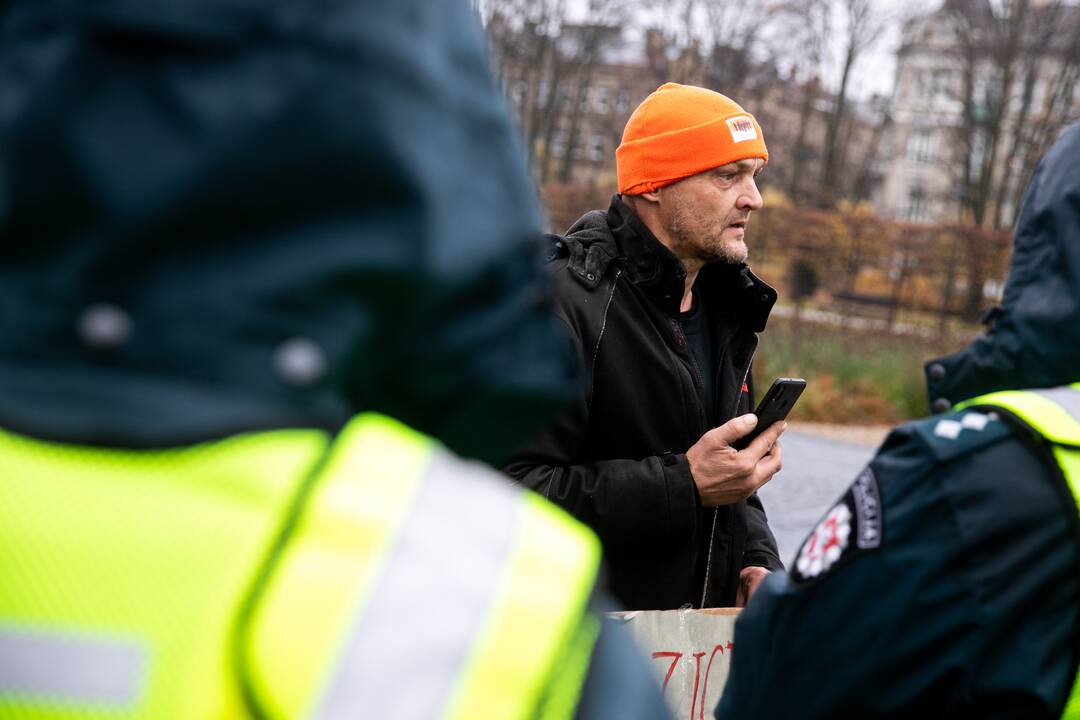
{"points": [[817, 471], [853, 321]]}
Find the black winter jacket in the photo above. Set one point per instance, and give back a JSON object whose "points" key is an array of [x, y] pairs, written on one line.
{"points": [[960, 594], [618, 461]]}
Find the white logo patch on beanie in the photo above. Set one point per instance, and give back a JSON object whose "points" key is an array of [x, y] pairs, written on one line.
{"points": [[742, 129]]}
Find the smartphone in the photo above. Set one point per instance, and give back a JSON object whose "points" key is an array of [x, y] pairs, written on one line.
{"points": [[774, 407]]}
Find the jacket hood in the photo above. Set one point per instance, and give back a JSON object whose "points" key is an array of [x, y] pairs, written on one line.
{"points": [[1035, 339], [599, 237], [590, 246], [220, 217]]}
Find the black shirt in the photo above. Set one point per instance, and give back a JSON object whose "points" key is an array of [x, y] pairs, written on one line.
{"points": [[699, 336]]}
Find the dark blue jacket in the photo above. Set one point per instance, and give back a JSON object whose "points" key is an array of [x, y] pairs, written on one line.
{"points": [[192, 191], [234, 175], [946, 582]]}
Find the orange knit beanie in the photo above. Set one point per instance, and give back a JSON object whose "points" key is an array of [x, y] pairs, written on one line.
{"points": [[679, 131]]}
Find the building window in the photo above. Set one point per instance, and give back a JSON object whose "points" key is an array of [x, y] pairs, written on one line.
{"points": [[987, 91], [622, 103], [921, 145], [922, 83], [1038, 93], [939, 84], [978, 148], [602, 100], [558, 143], [597, 147], [517, 93], [542, 93], [579, 146], [563, 100], [583, 106], [916, 203]]}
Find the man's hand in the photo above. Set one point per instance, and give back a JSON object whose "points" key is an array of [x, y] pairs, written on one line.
{"points": [[724, 475], [749, 579]]}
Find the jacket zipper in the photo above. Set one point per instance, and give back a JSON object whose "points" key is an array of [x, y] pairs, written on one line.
{"points": [[600, 335], [716, 510]]}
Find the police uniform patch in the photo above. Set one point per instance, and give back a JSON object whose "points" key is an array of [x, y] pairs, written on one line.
{"points": [[960, 433], [852, 526], [826, 543]]}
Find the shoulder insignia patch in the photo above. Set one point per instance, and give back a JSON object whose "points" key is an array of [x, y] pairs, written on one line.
{"points": [[852, 526], [957, 434]]}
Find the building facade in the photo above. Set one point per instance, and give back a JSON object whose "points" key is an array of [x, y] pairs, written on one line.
{"points": [[574, 92], [981, 91]]}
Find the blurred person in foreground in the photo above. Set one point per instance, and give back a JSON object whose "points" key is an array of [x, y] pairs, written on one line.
{"points": [[664, 314], [945, 582], [258, 260]]}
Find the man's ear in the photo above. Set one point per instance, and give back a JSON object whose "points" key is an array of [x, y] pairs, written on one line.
{"points": [[653, 196]]}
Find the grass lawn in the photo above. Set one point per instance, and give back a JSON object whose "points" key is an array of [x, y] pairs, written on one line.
{"points": [[852, 376]]}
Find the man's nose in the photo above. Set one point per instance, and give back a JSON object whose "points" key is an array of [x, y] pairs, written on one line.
{"points": [[750, 198]]}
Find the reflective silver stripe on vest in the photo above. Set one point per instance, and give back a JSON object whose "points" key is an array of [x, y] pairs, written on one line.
{"points": [[1066, 397], [414, 636], [69, 667]]}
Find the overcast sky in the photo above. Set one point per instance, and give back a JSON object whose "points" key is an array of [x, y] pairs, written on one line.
{"points": [[875, 72], [878, 71]]}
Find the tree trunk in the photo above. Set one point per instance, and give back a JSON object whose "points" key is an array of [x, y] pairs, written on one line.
{"points": [[551, 118], [566, 167], [948, 287], [830, 169], [795, 184]]}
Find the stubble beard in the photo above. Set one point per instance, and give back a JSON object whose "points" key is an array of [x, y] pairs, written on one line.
{"points": [[705, 237]]}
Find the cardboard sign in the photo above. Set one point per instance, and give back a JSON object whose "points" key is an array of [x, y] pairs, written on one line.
{"points": [[691, 654]]}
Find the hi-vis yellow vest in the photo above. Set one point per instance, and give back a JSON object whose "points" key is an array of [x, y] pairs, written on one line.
{"points": [[284, 575], [1055, 414]]}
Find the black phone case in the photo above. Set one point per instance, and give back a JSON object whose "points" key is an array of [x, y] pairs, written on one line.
{"points": [[774, 407]]}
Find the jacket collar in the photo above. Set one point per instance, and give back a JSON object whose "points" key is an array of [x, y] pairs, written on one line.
{"points": [[745, 298], [649, 264]]}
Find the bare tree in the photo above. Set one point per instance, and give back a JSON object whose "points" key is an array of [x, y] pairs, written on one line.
{"points": [[864, 24], [1019, 62], [805, 24], [524, 35], [550, 94], [990, 40], [601, 26], [504, 21], [1019, 67], [736, 31], [1060, 71]]}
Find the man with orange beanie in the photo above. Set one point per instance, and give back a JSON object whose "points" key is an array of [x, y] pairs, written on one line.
{"points": [[664, 313]]}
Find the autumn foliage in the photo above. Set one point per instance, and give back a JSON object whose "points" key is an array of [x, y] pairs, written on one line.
{"points": [[863, 264]]}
